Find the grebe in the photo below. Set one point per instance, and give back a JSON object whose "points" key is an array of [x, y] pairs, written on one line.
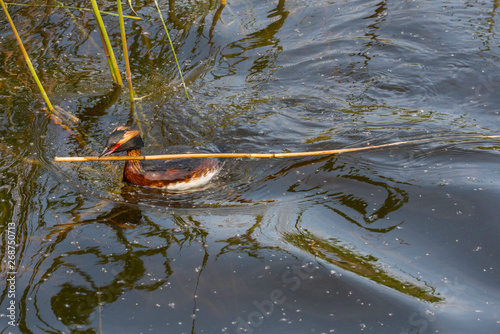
{"points": [[174, 175]]}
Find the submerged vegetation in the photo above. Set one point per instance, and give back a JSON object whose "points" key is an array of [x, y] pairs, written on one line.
{"points": [[26, 57], [106, 43]]}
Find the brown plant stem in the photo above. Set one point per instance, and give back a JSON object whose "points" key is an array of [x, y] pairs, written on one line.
{"points": [[259, 155]]}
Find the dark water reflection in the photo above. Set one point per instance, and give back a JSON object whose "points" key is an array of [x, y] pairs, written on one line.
{"points": [[399, 240]]}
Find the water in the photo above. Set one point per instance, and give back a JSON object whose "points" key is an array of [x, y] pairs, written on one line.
{"points": [[396, 240]]}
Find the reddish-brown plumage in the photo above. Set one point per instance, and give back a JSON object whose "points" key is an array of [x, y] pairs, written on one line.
{"points": [[176, 175], [173, 177]]}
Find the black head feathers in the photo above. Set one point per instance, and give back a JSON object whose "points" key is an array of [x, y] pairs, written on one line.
{"points": [[123, 139]]}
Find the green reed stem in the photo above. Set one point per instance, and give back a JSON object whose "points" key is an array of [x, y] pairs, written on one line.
{"points": [[113, 66], [173, 50], [125, 51], [27, 58]]}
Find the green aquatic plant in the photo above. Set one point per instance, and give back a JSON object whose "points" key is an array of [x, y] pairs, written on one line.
{"points": [[108, 50]]}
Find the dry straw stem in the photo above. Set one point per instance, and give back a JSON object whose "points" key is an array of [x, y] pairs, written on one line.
{"points": [[27, 58], [260, 155]]}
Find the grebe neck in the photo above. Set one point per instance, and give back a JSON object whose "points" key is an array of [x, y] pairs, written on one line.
{"points": [[134, 153], [133, 165]]}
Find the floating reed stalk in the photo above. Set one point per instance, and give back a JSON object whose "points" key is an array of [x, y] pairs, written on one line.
{"points": [[27, 58], [125, 51], [113, 66], [259, 155], [173, 50]]}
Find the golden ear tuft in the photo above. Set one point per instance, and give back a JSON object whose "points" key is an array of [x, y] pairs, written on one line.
{"points": [[129, 135]]}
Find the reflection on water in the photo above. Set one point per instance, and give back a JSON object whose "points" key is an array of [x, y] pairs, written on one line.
{"points": [[401, 240], [333, 252]]}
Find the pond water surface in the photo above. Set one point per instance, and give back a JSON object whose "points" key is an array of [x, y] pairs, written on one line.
{"points": [[396, 240]]}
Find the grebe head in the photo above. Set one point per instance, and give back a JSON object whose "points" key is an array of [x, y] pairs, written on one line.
{"points": [[122, 139]]}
